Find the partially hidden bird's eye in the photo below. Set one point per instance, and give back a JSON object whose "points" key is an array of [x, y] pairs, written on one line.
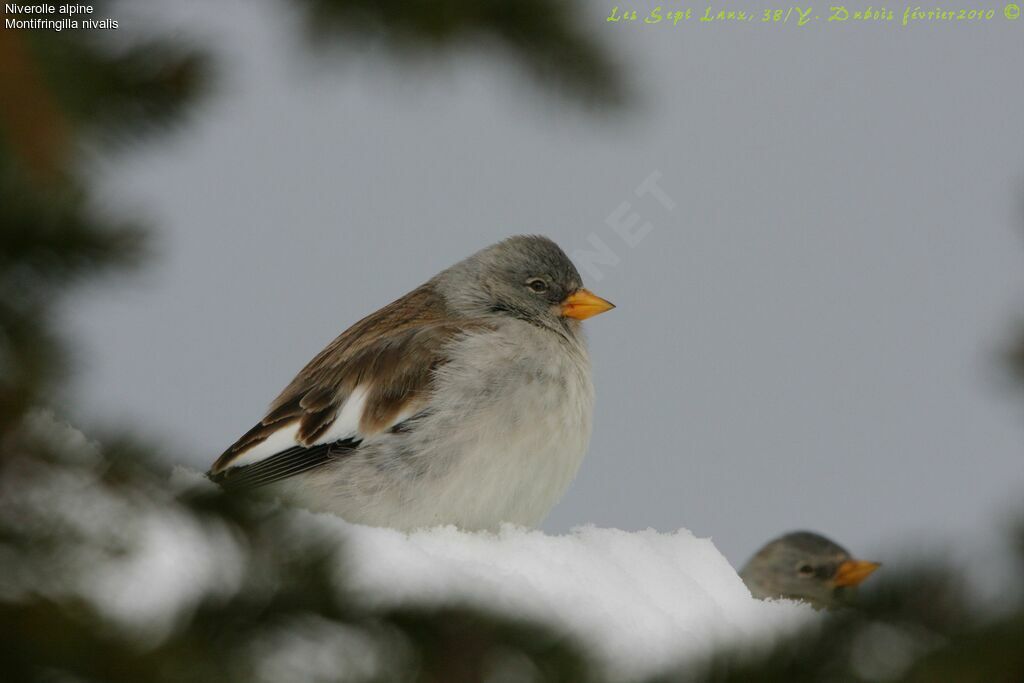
{"points": [[805, 570], [537, 284]]}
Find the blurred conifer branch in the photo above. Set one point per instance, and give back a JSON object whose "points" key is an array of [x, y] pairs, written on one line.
{"points": [[62, 90], [77, 517], [1015, 356], [544, 37]]}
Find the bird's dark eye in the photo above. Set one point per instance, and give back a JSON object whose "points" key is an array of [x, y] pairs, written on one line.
{"points": [[805, 570], [537, 284]]}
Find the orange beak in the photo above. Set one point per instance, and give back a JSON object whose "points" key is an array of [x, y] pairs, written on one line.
{"points": [[581, 305], [853, 572]]}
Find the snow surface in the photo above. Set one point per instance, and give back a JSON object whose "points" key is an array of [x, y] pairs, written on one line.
{"points": [[639, 602]]}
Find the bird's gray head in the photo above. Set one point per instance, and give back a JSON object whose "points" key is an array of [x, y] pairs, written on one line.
{"points": [[805, 566], [527, 277]]}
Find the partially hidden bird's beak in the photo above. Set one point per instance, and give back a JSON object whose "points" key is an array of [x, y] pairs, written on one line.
{"points": [[582, 304], [853, 572]]}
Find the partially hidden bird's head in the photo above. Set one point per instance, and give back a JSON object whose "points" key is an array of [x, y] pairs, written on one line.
{"points": [[805, 566], [527, 277]]}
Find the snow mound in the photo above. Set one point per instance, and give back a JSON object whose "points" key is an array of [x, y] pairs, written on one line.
{"points": [[638, 601]]}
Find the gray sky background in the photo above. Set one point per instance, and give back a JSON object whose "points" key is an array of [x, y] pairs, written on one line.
{"points": [[809, 339]]}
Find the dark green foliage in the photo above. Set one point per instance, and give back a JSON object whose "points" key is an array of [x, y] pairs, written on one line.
{"points": [[62, 91], [545, 37], [289, 593], [1015, 357], [129, 92]]}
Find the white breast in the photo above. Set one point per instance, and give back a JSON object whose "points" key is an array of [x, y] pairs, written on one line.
{"points": [[509, 425]]}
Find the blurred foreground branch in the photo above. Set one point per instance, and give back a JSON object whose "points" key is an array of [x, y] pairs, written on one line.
{"points": [[110, 577], [60, 91], [544, 37]]}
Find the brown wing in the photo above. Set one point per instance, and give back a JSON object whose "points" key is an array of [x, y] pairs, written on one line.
{"points": [[390, 354]]}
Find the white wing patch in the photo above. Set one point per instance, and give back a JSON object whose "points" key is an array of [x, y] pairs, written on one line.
{"points": [[281, 440], [345, 426]]}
